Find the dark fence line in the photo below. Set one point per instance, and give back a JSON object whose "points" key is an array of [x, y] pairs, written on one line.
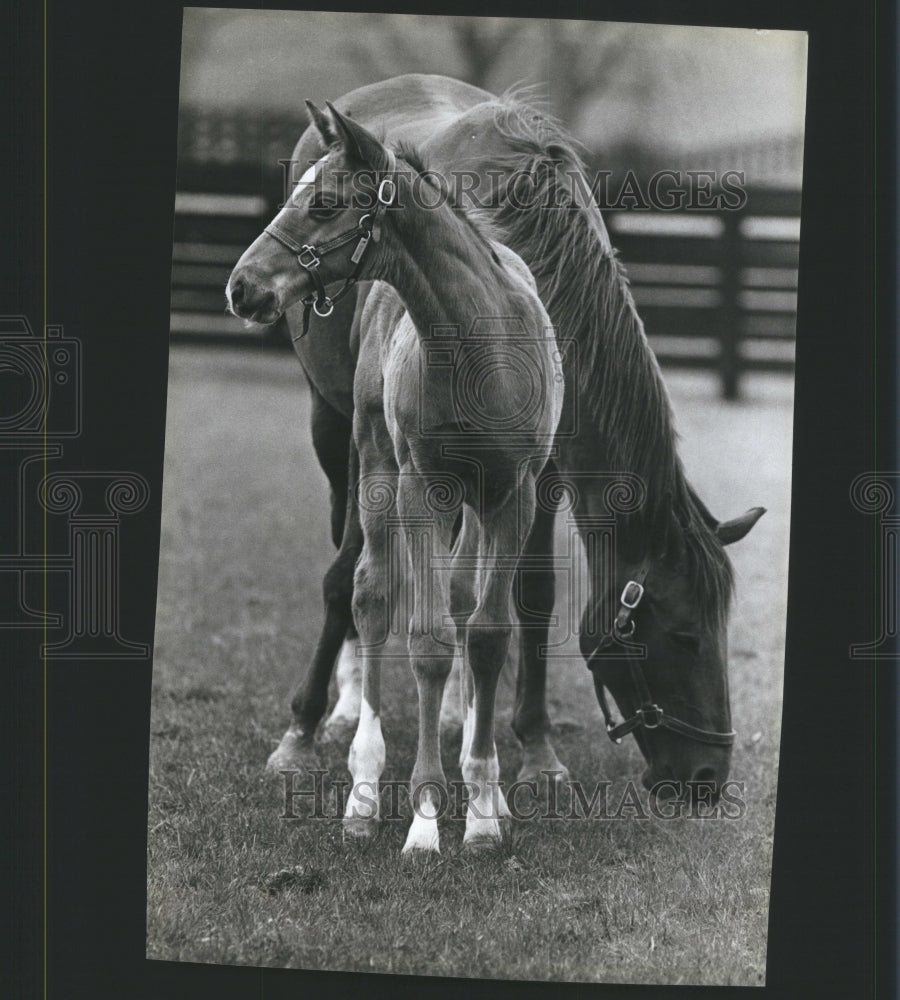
{"points": [[716, 289], [244, 141]]}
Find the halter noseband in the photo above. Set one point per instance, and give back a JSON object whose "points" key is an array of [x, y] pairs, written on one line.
{"points": [[309, 255], [648, 714]]}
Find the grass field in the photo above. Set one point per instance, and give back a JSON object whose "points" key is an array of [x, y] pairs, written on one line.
{"points": [[244, 545]]}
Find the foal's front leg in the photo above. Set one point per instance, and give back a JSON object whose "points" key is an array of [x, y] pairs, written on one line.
{"points": [[431, 649], [371, 612], [374, 587], [504, 531], [464, 583]]}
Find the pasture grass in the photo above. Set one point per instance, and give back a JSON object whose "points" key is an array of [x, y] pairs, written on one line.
{"points": [[244, 544]]}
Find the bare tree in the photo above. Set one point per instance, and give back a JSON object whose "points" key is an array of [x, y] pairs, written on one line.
{"points": [[475, 47], [482, 43], [587, 64]]}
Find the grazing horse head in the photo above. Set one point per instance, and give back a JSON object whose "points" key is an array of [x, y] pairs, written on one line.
{"points": [[660, 647], [327, 232]]}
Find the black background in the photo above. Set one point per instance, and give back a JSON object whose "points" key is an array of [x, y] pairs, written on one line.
{"points": [[112, 72]]}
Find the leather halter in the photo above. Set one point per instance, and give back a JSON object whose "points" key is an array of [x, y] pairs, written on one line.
{"points": [[309, 255], [649, 714]]}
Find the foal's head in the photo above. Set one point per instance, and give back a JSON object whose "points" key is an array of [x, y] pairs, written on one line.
{"points": [[329, 231]]}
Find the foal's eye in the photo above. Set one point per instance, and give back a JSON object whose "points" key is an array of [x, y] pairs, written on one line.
{"points": [[686, 640]]}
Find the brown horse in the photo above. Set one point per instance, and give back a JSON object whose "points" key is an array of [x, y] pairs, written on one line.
{"points": [[654, 629], [457, 396]]}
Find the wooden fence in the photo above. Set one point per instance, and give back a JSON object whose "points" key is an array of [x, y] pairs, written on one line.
{"points": [[716, 290]]}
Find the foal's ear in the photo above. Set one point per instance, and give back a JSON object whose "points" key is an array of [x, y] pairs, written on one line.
{"points": [[358, 142], [322, 123], [734, 530]]}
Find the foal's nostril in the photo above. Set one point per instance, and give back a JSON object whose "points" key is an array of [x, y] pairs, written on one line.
{"points": [[237, 293]]}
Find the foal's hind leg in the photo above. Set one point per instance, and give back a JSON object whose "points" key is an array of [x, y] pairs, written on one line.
{"points": [[531, 723]]}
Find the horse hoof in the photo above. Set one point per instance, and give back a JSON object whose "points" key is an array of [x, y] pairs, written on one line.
{"points": [[487, 835], [295, 752], [358, 830], [423, 837], [541, 776]]}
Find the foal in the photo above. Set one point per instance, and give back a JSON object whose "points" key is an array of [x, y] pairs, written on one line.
{"points": [[457, 397]]}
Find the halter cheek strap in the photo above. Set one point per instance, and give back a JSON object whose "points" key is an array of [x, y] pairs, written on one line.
{"points": [[649, 714], [309, 256]]}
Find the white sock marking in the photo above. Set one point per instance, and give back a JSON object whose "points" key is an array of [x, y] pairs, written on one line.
{"points": [[423, 832], [349, 680], [487, 805], [366, 764], [452, 714]]}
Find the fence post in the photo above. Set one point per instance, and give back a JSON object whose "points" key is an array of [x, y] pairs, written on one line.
{"points": [[730, 312]]}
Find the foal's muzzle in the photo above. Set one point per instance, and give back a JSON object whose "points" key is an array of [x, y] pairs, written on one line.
{"points": [[250, 299]]}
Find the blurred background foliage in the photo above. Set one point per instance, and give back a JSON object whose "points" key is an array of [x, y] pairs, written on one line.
{"points": [[637, 96]]}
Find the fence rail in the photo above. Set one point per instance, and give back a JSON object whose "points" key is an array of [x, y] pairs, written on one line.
{"points": [[716, 290]]}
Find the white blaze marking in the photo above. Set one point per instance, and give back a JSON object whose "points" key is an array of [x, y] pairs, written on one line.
{"points": [[366, 763], [309, 177]]}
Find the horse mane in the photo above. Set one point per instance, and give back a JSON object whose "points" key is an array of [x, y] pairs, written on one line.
{"points": [[477, 221], [619, 383]]}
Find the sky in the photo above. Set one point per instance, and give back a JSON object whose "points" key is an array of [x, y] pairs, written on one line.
{"points": [[676, 88]]}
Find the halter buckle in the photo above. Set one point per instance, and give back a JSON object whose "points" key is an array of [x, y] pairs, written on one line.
{"points": [[313, 258], [632, 594], [650, 716], [624, 632], [387, 191]]}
